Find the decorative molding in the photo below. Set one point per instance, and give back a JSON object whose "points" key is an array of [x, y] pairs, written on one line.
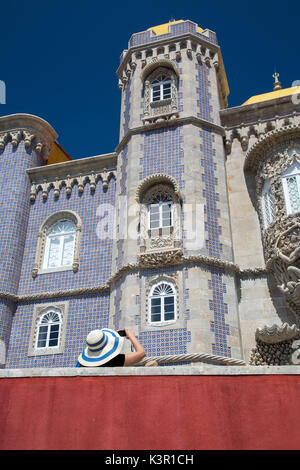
{"points": [[157, 179], [167, 123], [161, 258], [163, 239], [30, 139], [269, 140], [158, 63], [263, 130], [136, 267], [276, 333], [69, 182]]}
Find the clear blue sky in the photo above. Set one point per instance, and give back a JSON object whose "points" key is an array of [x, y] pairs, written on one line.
{"points": [[59, 58]]}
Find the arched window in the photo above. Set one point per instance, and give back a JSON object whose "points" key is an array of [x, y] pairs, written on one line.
{"points": [[268, 210], [60, 243], [48, 329], [160, 212], [161, 88], [160, 79], [291, 188], [162, 303], [160, 216]]}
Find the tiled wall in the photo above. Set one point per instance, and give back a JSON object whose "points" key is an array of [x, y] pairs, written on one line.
{"points": [[171, 340], [95, 254], [14, 211], [85, 313], [163, 153]]}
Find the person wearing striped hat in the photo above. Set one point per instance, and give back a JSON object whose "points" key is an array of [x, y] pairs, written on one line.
{"points": [[104, 346]]}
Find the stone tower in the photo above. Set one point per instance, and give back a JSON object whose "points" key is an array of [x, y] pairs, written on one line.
{"points": [[25, 142], [172, 228]]}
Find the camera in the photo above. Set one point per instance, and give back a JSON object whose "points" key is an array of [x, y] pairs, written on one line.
{"points": [[121, 332]]}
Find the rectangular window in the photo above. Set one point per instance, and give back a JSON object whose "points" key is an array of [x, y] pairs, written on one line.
{"points": [[156, 309], [160, 215], [161, 91]]}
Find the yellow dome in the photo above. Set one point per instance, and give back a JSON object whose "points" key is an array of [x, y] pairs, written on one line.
{"points": [[272, 95], [164, 28]]}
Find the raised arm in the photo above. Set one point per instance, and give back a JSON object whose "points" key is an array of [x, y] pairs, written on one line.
{"points": [[138, 355]]}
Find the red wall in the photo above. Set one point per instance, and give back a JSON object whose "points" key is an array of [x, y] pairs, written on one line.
{"points": [[150, 412]]}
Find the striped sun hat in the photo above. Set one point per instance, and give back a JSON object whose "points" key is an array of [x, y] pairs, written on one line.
{"points": [[102, 346]]}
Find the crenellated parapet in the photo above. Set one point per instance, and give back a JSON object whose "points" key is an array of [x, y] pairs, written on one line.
{"points": [[185, 44]]}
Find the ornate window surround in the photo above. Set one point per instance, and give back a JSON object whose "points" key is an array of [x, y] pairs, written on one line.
{"points": [[39, 311], [276, 161], [292, 171], [42, 237], [166, 108], [160, 239], [70, 231]]}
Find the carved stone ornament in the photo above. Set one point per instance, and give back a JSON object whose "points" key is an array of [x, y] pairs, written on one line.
{"points": [[69, 182], [42, 236], [278, 151], [162, 239], [30, 139], [276, 333], [164, 109], [161, 258], [157, 178]]}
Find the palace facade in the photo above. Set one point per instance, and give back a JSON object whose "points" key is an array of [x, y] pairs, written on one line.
{"points": [[187, 233]]}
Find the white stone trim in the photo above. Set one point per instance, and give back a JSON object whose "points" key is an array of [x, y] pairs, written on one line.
{"points": [[42, 237], [39, 309]]}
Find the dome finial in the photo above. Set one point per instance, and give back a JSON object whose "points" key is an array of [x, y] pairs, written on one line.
{"points": [[276, 84]]}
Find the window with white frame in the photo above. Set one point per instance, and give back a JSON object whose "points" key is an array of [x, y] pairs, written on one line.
{"points": [[160, 213], [60, 243], [291, 188], [268, 209], [161, 88], [162, 303], [48, 329]]}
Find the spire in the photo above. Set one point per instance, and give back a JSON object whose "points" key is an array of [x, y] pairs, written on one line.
{"points": [[276, 84]]}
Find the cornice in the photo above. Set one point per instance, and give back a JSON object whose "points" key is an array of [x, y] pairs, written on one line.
{"points": [[73, 167], [164, 42], [173, 122], [73, 173], [250, 113]]}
